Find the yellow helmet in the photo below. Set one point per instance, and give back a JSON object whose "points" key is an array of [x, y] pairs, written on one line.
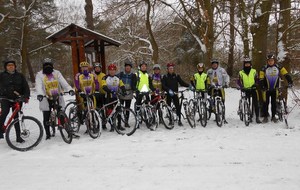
{"points": [[84, 64]]}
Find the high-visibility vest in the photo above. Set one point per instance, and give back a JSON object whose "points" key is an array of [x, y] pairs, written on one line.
{"points": [[143, 82], [200, 81], [248, 80]]}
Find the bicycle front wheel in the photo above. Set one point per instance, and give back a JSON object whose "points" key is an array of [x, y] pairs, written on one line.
{"points": [[203, 114], [190, 111], [219, 113], [247, 113], [166, 116], [125, 121], [93, 123], [65, 128], [24, 134]]}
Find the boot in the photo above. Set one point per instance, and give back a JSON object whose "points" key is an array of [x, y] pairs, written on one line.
{"points": [[257, 120], [274, 119], [1, 135], [180, 123], [120, 127], [112, 129], [265, 120], [104, 127], [48, 137], [20, 140]]}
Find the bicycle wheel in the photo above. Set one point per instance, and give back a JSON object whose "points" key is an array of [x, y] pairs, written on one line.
{"points": [[247, 116], [65, 128], [203, 114], [190, 111], [219, 113], [125, 120], [166, 116], [74, 119], [240, 110], [150, 118], [70, 105], [93, 123], [31, 132], [208, 108]]}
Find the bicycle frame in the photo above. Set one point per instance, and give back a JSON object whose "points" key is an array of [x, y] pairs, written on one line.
{"points": [[18, 109], [117, 102]]}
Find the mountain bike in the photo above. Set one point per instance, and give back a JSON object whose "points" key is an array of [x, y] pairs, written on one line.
{"points": [[164, 111], [216, 105], [122, 119], [58, 118], [245, 109], [28, 128], [147, 113]]}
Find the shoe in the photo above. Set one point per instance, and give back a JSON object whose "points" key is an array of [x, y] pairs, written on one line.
{"points": [[104, 127], [274, 119], [225, 122], [127, 125], [111, 129], [180, 124], [1, 135], [48, 137], [265, 120], [120, 127], [20, 140], [257, 120]]}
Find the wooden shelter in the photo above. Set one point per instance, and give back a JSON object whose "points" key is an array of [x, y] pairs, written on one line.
{"points": [[84, 42]]}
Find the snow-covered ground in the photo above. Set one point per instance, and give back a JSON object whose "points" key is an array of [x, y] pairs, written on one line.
{"points": [[264, 156]]}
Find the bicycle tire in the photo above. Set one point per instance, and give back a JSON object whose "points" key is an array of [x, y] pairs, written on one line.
{"points": [[128, 124], [240, 111], [190, 113], [219, 113], [285, 113], [246, 113], [208, 108], [74, 119], [166, 115], [70, 105], [93, 124], [28, 126], [65, 128], [150, 118], [203, 114]]}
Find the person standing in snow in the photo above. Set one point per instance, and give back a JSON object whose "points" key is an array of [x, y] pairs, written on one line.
{"points": [[247, 81], [12, 85], [156, 80], [218, 77], [269, 82], [49, 84], [200, 80], [170, 83], [100, 97]]}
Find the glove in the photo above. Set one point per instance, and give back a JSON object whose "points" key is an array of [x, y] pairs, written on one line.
{"points": [[71, 92], [171, 93], [290, 85], [82, 94], [40, 97], [97, 92], [253, 86]]}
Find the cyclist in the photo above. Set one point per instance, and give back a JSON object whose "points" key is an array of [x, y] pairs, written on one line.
{"points": [[50, 82], [269, 82], [144, 84], [248, 78], [200, 80], [86, 83], [112, 84], [156, 79], [129, 80], [101, 95], [218, 77], [12, 85], [170, 85]]}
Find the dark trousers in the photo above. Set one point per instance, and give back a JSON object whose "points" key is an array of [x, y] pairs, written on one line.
{"points": [[100, 100], [175, 101], [5, 106], [46, 117], [270, 94], [127, 105], [139, 99]]}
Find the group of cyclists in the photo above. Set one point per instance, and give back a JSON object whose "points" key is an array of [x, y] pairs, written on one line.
{"points": [[127, 85]]}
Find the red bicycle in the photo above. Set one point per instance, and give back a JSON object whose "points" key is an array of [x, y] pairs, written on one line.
{"points": [[22, 133]]}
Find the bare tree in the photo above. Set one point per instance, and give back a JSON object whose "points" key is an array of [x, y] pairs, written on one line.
{"points": [[89, 14]]}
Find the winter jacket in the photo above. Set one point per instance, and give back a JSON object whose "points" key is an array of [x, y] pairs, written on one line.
{"points": [[170, 82], [218, 76], [129, 80], [13, 84], [41, 89]]}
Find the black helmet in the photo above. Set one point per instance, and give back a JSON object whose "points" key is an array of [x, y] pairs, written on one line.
{"points": [[247, 60], [127, 62], [47, 61], [143, 63], [97, 65], [214, 61], [271, 56]]}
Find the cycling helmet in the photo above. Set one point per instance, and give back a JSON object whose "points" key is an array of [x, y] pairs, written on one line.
{"points": [[270, 56], [170, 65], [47, 61], [97, 65], [128, 63], [112, 67], [156, 66], [84, 64], [143, 63], [247, 60], [214, 61], [200, 65]]}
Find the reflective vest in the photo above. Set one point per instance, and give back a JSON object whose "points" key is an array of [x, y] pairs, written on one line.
{"points": [[51, 85], [200, 81], [143, 82], [248, 80]]}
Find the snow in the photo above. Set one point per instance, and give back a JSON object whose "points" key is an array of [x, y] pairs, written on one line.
{"points": [[264, 156]]}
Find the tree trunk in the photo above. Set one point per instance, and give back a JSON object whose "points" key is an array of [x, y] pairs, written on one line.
{"points": [[259, 30], [89, 14], [245, 28], [232, 39], [155, 55]]}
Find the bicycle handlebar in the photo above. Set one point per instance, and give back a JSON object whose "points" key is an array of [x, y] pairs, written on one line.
{"points": [[19, 99]]}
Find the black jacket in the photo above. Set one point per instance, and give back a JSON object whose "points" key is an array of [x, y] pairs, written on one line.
{"points": [[170, 81], [11, 83]]}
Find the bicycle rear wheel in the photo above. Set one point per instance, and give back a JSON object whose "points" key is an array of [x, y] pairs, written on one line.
{"points": [[219, 113], [190, 111], [166, 116], [65, 128], [74, 119], [31, 131], [125, 121], [247, 113], [93, 124], [203, 114]]}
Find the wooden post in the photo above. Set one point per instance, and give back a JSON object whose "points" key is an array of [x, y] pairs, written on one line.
{"points": [[102, 56], [81, 50], [75, 59]]}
